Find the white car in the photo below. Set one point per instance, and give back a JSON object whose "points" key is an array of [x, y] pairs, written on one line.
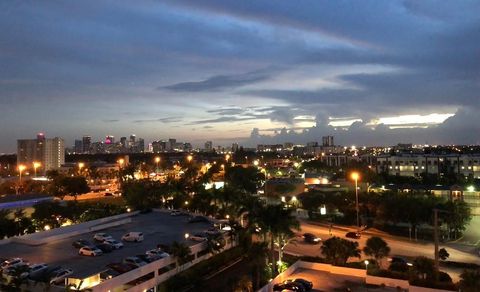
{"points": [[155, 253], [134, 261], [60, 275], [133, 236], [35, 268], [14, 262], [90, 251], [102, 237], [175, 213], [114, 243]]}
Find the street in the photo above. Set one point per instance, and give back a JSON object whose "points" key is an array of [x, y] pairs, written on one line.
{"points": [[398, 245]]}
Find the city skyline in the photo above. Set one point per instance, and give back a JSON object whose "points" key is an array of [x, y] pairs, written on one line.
{"points": [[396, 71]]}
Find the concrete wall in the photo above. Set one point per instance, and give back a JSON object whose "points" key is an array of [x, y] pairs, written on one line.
{"points": [[117, 283], [312, 266], [387, 282], [43, 237]]}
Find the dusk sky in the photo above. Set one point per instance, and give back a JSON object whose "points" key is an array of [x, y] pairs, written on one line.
{"points": [[367, 72]]}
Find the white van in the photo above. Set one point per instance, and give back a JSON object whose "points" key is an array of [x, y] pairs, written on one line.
{"points": [[133, 236]]}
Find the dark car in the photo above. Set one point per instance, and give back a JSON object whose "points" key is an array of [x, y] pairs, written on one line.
{"points": [[305, 283], [164, 247], [354, 235], [146, 258], [197, 219], [105, 247], [82, 243], [121, 267], [289, 285], [311, 238]]}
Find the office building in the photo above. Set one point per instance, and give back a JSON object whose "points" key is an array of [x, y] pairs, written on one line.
{"points": [[78, 147], [86, 143], [208, 146]]}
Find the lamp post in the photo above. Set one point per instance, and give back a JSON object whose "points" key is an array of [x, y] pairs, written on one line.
{"points": [[80, 166], [189, 158], [366, 262], [35, 166], [21, 168], [355, 177], [157, 161]]}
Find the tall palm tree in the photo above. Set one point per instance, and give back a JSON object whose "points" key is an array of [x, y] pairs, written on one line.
{"points": [[257, 256], [181, 252], [273, 221]]}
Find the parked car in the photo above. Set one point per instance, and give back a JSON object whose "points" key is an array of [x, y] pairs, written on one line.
{"points": [[116, 244], [13, 262], [82, 243], [164, 247], [121, 267], [90, 251], [213, 231], [305, 283], [311, 238], [157, 253], [198, 237], [133, 236], [289, 285], [135, 261], [37, 268], [105, 247], [198, 219], [60, 275], [354, 235], [399, 260], [147, 259], [102, 237], [175, 213]]}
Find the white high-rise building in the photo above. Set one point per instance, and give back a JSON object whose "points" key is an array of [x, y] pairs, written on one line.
{"points": [[49, 153]]}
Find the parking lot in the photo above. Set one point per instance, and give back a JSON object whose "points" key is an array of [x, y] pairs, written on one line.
{"points": [[157, 227]]}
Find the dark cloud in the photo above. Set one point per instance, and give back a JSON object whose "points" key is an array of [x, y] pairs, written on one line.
{"points": [[219, 82], [65, 64]]}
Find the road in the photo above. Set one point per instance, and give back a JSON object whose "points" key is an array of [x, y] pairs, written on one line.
{"points": [[398, 245]]}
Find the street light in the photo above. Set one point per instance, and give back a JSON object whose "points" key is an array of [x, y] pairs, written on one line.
{"points": [[189, 158], [121, 161], [80, 166], [227, 157], [35, 166], [355, 176], [21, 168], [187, 235], [157, 161], [255, 162]]}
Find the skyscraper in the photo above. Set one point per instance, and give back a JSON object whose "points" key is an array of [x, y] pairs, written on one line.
{"points": [[78, 147], [86, 141], [209, 146]]}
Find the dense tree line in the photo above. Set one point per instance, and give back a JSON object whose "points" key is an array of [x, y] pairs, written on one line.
{"points": [[394, 208]]}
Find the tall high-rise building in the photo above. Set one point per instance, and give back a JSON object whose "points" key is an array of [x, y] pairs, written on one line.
{"points": [[327, 141], [235, 147], [209, 146], [172, 143], [50, 153], [123, 142], [140, 145], [86, 143], [109, 140], [78, 147]]}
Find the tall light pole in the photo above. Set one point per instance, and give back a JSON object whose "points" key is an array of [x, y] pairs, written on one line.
{"points": [[80, 166], [355, 177], [189, 158], [21, 168], [35, 166], [157, 161]]}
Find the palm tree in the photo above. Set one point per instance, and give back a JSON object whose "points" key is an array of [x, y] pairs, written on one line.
{"points": [[273, 221], [257, 258], [181, 252]]}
